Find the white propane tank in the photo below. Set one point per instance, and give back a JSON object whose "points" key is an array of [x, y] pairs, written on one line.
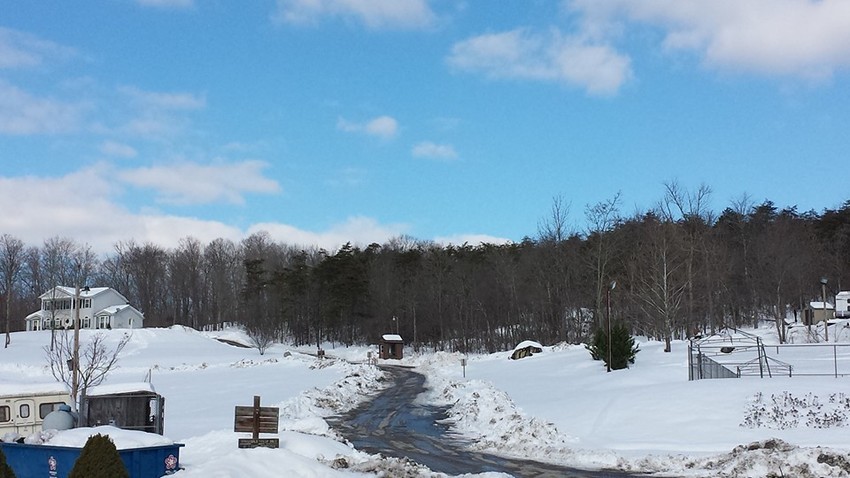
{"points": [[60, 419]]}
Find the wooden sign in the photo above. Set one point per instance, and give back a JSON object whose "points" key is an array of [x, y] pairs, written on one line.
{"points": [[256, 420], [267, 419], [259, 442]]}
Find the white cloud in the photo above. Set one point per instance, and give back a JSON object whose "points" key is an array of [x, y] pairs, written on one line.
{"points": [[383, 126], [166, 3], [121, 150], [193, 183], [427, 149], [158, 115], [803, 38], [24, 50], [376, 14], [50, 206], [528, 55], [358, 230], [346, 177], [164, 101], [24, 114], [471, 239]]}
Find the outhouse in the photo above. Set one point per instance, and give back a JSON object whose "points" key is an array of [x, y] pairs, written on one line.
{"points": [[392, 346]]}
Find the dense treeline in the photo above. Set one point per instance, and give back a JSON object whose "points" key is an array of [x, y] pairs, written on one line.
{"points": [[667, 273]]}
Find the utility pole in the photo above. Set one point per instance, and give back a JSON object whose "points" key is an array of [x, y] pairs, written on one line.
{"points": [[608, 313], [823, 282], [75, 360]]}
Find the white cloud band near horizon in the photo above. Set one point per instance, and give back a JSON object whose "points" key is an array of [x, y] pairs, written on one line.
{"points": [[100, 221]]}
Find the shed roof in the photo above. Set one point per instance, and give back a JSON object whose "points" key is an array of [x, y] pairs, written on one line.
{"points": [[820, 305], [117, 388]]}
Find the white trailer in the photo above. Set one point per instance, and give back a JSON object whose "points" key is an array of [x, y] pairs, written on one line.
{"points": [[24, 406], [842, 305]]}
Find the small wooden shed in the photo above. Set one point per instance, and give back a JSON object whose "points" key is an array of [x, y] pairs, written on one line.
{"points": [[392, 346], [818, 312], [134, 406]]}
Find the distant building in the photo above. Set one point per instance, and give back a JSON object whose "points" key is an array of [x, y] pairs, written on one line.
{"points": [[818, 312], [100, 308], [842, 305], [392, 346]]}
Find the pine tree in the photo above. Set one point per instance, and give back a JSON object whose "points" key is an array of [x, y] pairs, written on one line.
{"points": [[599, 348], [99, 459], [623, 348], [5, 470]]}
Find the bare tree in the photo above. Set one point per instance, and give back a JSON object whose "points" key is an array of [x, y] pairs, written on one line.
{"points": [[96, 361], [661, 280], [221, 272], [554, 227], [186, 265], [11, 265], [602, 218]]}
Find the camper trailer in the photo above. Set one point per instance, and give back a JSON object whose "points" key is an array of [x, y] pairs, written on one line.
{"points": [[23, 407], [842, 305]]}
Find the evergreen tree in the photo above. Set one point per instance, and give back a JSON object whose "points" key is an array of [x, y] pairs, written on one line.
{"points": [[5, 470], [623, 348], [99, 459], [599, 348]]}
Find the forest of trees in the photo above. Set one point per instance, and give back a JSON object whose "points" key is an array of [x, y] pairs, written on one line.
{"points": [[679, 269]]}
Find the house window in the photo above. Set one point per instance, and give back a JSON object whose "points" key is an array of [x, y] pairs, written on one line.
{"points": [[24, 410], [5, 414], [86, 323]]}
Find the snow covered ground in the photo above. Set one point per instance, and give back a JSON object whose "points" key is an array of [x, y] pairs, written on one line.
{"points": [[558, 405]]}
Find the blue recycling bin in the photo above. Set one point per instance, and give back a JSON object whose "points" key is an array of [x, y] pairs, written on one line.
{"points": [[49, 461]]}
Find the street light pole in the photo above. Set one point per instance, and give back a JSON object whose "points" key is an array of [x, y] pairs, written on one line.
{"points": [[75, 380], [608, 313], [823, 282]]}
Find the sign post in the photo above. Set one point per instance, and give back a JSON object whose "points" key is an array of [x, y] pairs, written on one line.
{"points": [[256, 420], [463, 364]]}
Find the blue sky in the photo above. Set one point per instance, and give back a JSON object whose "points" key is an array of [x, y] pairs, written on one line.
{"points": [[326, 121]]}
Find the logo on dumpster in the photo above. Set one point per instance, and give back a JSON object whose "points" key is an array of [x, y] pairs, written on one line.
{"points": [[170, 462], [51, 464]]}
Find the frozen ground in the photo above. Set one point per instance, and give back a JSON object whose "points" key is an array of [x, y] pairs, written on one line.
{"points": [[558, 405]]}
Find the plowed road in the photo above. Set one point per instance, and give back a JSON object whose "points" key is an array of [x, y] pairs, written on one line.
{"points": [[395, 424]]}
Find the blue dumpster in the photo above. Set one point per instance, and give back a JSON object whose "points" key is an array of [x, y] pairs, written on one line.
{"points": [[48, 461]]}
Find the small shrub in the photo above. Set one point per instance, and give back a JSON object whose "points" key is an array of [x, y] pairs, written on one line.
{"points": [[99, 459], [5, 470]]}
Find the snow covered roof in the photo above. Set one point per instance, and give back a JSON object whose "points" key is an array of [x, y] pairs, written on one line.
{"points": [[819, 305], [71, 291], [117, 388], [528, 343], [392, 338], [113, 309], [18, 389]]}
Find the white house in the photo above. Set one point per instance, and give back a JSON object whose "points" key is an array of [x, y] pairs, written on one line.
{"points": [[100, 308], [842, 304]]}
